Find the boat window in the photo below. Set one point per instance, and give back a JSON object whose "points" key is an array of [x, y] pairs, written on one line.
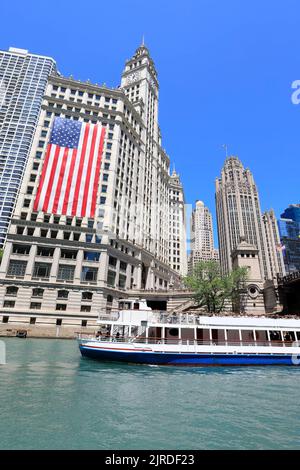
{"points": [[127, 305], [247, 337], [154, 333], [218, 336], [298, 335], [203, 336], [275, 336], [233, 336], [136, 306], [261, 337], [186, 333], [122, 332], [171, 335], [288, 336], [172, 331]]}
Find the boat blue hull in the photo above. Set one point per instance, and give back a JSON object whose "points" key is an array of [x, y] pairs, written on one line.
{"points": [[187, 359]]}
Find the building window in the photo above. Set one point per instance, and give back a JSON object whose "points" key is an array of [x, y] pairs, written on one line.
{"points": [[111, 277], [85, 308], [89, 274], [61, 307], [43, 251], [42, 270], [62, 294], [86, 296], [12, 291], [83, 322], [68, 254], [35, 305], [91, 256], [9, 303], [112, 261], [17, 268], [59, 320], [32, 320], [65, 272], [5, 319], [123, 265], [37, 292], [122, 281]]}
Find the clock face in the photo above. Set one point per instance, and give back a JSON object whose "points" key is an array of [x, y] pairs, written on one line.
{"points": [[133, 77]]}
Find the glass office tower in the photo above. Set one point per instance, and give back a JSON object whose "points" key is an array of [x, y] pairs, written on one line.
{"points": [[23, 81], [289, 229]]}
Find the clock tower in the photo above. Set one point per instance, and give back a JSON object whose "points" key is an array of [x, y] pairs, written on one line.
{"points": [[140, 84]]}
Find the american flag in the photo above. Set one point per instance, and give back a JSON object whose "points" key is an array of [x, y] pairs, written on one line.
{"points": [[70, 176]]}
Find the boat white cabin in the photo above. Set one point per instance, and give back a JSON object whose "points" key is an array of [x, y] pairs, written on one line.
{"points": [[135, 330]]}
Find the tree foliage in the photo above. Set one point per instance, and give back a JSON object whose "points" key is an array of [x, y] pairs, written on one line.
{"points": [[212, 289]]}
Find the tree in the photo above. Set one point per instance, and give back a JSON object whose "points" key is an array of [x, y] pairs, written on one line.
{"points": [[212, 289]]}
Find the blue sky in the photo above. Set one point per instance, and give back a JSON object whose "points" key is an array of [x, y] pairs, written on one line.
{"points": [[225, 71]]}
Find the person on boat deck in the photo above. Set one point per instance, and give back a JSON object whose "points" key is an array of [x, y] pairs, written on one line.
{"points": [[107, 332], [118, 335], [99, 333]]}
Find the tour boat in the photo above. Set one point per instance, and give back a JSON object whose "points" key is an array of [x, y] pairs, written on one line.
{"points": [[138, 334]]}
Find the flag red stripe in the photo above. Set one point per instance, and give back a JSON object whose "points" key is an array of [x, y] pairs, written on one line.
{"points": [[80, 169], [41, 182], [88, 172], [60, 180], [67, 193], [50, 183], [97, 173]]}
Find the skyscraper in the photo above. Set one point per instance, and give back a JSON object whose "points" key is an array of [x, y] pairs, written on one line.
{"points": [[239, 217], [177, 226], [65, 269], [289, 229], [202, 240], [23, 81], [274, 250]]}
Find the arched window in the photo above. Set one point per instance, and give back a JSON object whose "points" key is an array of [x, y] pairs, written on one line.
{"points": [[87, 295], [37, 292], [12, 291], [62, 294]]}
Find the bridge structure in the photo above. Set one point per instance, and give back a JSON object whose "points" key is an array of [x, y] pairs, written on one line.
{"points": [[289, 292]]}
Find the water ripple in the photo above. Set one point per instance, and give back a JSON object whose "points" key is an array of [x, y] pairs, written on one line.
{"points": [[51, 398]]}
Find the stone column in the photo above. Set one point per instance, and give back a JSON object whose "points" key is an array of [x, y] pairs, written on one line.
{"points": [[117, 273], [5, 259], [78, 267], [54, 267], [138, 276], [30, 262], [128, 276], [103, 267]]}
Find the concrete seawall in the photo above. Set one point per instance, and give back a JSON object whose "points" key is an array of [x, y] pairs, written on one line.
{"points": [[40, 331]]}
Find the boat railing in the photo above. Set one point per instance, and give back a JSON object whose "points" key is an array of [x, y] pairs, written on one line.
{"points": [[187, 342], [154, 316]]}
